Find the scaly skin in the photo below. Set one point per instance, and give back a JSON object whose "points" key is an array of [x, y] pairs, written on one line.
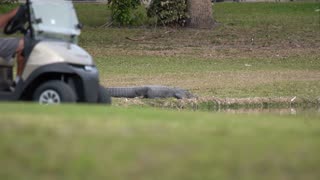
{"points": [[149, 92]]}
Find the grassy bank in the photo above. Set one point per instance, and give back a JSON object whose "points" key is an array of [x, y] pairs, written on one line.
{"points": [[94, 142], [257, 50]]}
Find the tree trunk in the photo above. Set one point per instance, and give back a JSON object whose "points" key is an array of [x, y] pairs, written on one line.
{"points": [[200, 12]]}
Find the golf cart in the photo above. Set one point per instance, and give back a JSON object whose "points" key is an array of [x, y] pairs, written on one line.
{"points": [[57, 70]]}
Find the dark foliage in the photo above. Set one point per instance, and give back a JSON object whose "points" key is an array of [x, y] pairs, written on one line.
{"points": [[169, 12], [8, 1], [121, 11]]}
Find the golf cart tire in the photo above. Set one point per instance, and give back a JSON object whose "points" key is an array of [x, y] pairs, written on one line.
{"points": [[103, 96], [64, 91]]}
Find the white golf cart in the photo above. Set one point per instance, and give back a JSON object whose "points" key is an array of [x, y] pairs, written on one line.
{"points": [[57, 70]]}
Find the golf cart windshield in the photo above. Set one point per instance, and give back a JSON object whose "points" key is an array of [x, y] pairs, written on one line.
{"points": [[54, 19]]}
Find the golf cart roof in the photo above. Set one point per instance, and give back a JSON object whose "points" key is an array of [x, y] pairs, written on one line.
{"points": [[54, 16]]}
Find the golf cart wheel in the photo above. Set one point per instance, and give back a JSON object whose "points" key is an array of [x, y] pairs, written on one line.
{"points": [[54, 92], [103, 96]]}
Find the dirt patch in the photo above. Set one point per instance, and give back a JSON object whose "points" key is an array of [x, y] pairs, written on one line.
{"points": [[226, 41], [216, 52]]}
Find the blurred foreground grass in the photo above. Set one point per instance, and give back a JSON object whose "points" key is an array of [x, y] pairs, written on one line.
{"points": [[98, 142]]}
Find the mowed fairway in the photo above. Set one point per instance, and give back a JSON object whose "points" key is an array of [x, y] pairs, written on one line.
{"points": [[97, 142], [257, 50]]}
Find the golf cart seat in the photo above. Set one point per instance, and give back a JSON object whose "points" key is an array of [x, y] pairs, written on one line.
{"points": [[5, 63]]}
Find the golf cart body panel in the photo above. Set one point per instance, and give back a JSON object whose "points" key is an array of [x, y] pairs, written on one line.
{"points": [[51, 52], [86, 85], [86, 76]]}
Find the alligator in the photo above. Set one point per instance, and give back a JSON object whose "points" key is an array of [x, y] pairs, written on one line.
{"points": [[149, 92]]}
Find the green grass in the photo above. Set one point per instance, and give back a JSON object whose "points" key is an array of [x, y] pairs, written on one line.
{"points": [[7, 7], [158, 65], [258, 49], [292, 14], [93, 15], [96, 142]]}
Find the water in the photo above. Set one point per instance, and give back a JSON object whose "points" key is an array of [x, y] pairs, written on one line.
{"points": [[279, 111]]}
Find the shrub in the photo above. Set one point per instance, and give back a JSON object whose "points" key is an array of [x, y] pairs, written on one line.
{"points": [[169, 12], [8, 1], [139, 16], [121, 11]]}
